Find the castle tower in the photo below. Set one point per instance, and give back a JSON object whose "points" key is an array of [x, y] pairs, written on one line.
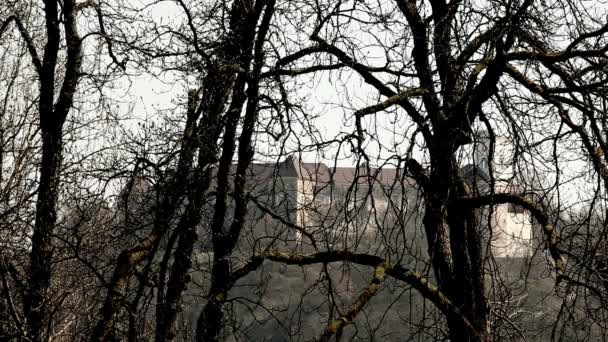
{"points": [[501, 160], [510, 232]]}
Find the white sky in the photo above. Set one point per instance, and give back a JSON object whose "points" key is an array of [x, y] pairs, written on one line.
{"points": [[332, 100]]}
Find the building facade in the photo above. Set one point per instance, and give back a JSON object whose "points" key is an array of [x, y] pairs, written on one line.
{"points": [[315, 196]]}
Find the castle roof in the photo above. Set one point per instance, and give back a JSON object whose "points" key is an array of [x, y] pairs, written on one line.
{"points": [[321, 173]]}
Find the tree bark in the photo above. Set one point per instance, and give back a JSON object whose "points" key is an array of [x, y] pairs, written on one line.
{"points": [[52, 117], [245, 89]]}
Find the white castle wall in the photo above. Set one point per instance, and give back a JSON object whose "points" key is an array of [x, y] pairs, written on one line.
{"points": [[511, 234]]}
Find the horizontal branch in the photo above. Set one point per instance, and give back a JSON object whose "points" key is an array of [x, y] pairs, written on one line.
{"points": [[411, 277], [535, 210], [393, 100], [301, 71], [300, 54], [557, 56]]}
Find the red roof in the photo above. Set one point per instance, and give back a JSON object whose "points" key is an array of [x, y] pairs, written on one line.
{"points": [[321, 173]]}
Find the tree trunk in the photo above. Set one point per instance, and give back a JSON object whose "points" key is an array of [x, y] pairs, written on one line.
{"points": [[455, 247], [35, 305]]}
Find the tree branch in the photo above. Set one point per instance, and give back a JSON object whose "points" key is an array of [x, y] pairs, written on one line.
{"points": [[26, 37], [365, 72], [338, 325], [413, 278], [535, 210], [106, 37], [301, 71], [393, 100], [420, 54]]}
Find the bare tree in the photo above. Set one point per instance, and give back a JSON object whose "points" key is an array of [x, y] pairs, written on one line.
{"points": [[53, 109], [183, 228], [451, 66]]}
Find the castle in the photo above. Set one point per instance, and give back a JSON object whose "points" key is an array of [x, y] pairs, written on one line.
{"points": [[365, 200], [307, 187], [351, 199]]}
